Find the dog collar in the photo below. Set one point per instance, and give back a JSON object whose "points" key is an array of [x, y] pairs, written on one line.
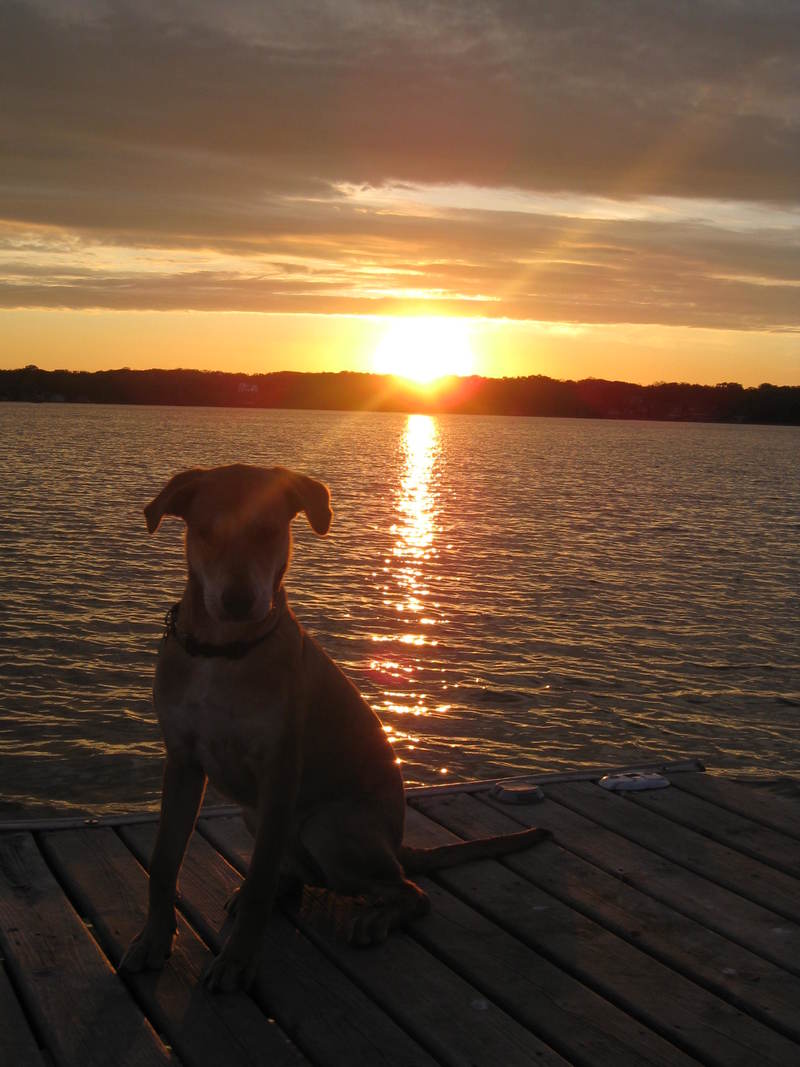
{"points": [[230, 650]]}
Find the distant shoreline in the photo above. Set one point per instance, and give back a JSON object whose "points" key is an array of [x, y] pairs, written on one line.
{"points": [[535, 395]]}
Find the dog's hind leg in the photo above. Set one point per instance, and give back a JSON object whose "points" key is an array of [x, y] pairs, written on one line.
{"points": [[388, 905], [355, 855]]}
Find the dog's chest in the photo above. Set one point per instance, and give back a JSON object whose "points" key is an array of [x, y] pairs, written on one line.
{"points": [[224, 718]]}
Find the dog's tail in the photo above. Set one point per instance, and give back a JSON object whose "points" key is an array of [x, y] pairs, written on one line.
{"points": [[422, 860]]}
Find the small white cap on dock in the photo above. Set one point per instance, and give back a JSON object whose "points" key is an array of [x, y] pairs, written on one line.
{"points": [[633, 780]]}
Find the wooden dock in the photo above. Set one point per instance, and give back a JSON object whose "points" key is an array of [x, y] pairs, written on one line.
{"points": [[655, 927]]}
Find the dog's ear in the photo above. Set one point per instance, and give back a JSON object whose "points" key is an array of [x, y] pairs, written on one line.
{"points": [[174, 498], [312, 497]]}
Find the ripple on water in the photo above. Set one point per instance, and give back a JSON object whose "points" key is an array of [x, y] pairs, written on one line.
{"points": [[509, 594]]}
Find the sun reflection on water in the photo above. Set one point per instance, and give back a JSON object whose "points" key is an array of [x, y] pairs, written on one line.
{"points": [[414, 534], [407, 582]]}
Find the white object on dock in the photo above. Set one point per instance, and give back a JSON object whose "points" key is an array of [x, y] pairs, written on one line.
{"points": [[633, 780]]}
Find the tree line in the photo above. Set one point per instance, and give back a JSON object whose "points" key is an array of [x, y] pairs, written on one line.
{"points": [[351, 391]]}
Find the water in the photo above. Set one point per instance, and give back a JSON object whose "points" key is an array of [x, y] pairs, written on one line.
{"points": [[509, 594]]}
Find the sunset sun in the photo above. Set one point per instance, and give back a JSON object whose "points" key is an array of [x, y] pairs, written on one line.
{"points": [[424, 349]]}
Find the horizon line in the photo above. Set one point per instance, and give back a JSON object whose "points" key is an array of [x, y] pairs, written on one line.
{"points": [[426, 387]]}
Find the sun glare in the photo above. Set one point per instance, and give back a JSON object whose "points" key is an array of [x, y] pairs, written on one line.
{"points": [[424, 349]]}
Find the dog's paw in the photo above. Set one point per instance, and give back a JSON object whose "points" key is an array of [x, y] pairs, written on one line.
{"points": [[232, 971], [370, 925], [149, 950]]}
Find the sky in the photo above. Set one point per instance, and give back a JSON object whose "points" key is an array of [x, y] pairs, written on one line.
{"points": [[576, 189]]}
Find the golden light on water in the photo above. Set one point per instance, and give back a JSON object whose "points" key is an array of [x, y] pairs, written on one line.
{"points": [[409, 578], [414, 533]]}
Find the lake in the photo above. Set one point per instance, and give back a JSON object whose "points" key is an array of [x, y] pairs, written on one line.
{"points": [[510, 594]]}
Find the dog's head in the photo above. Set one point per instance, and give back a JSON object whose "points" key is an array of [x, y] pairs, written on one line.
{"points": [[238, 538]]}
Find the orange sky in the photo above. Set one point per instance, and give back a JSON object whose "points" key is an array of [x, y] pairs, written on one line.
{"points": [[606, 192], [254, 343]]}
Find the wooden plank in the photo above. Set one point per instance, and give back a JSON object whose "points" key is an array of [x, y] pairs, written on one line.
{"points": [[83, 1013], [110, 889], [325, 1014], [772, 889], [17, 1043], [726, 969], [776, 812], [759, 842], [231, 838], [584, 1027], [671, 1004], [732, 916], [449, 1016], [604, 888]]}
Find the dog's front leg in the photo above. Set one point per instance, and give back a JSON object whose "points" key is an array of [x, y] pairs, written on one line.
{"points": [[236, 966], [182, 795]]}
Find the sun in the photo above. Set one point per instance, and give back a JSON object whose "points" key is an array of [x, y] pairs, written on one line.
{"points": [[424, 349]]}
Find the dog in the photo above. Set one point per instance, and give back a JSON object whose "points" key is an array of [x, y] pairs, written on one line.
{"points": [[248, 700]]}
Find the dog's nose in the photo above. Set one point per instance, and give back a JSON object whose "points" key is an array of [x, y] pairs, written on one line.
{"points": [[238, 602]]}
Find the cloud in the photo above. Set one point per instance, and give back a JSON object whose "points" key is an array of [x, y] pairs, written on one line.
{"points": [[202, 155], [634, 98], [485, 263]]}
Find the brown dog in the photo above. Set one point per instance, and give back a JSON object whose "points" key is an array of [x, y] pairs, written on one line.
{"points": [[247, 699]]}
